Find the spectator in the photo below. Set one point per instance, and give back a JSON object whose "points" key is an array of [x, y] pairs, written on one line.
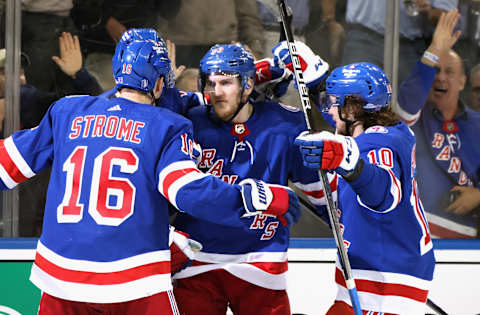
{"points": [[43, 22], [202, 23], [475, 87], [34, 104], [330, 26], [188, 80], [102, 23], [366, 27], [268, 13], [448, 157]]}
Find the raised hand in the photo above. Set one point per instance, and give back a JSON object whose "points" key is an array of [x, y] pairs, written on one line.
{"points": [[70, 60], [172, 54], [444, 38]]}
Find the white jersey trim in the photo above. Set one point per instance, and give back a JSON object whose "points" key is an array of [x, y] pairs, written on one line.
{"points": [[395, 191], [409, 119], [238, 265], [451, 225], [6, 179], [100, 267], [181, 181], [244, 271], [100, 293], [386, 304], [17, 158], [242, 258]]}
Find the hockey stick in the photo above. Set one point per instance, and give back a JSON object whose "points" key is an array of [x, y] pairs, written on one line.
{"points": [[332, 211]]}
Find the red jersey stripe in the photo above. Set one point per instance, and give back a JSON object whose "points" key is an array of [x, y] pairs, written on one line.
{"points": [[103, 278], [442, 232], [9, 165], [174, 176], [320, 193], [270, 267], [382, 288]]}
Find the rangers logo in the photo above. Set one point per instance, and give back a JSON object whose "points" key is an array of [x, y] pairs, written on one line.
{"points": [[217, 50], [239, 128]]}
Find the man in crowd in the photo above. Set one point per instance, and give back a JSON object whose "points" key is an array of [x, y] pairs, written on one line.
{"points": [[448, 157]]}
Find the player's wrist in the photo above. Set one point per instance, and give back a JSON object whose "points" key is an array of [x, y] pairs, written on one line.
{"points": [[355, 173]]}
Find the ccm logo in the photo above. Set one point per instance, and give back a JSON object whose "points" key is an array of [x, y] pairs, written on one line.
{"points": [[262, 196]]}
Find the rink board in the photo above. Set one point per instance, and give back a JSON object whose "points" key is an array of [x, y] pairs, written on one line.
{"points": [[456, 285]]}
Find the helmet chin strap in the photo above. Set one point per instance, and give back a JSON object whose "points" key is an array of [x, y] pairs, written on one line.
{"points": [[348, 123], [239, 108]]}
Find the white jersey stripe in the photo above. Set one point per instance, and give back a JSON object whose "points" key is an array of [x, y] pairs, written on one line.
{"points": [[17, 158], [100, 293], [100, 267], [450, 225], [245, 272], [242, 258]]}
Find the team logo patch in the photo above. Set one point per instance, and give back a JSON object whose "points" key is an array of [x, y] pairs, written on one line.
{"points": [[289, 108], [239, 128], [376, 129]]}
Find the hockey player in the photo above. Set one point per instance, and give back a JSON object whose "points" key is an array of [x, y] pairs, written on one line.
{"points": [[116, 164], [241, 140], [382, 218]]}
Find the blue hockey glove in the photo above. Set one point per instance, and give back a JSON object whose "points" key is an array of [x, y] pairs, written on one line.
{"points": [[182, 250], [313, 67], [326, 151], [275, 200]]}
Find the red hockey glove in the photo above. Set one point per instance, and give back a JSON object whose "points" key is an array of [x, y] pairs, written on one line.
{"points": [[326, 151], [270, 80], [182, 250], [275, 200]]}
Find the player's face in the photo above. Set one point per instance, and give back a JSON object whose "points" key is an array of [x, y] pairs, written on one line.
{"points": [[340, 126], [224, 94], [448, 82]]}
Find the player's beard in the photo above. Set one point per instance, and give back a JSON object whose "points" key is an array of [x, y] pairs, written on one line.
{"points": [[225, 108]]}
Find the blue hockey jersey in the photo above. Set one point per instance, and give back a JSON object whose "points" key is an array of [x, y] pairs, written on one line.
{"points": [[389, 246], [261, 148], [116, 165]]}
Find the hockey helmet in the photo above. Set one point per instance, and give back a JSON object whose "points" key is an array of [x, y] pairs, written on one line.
{"points": [[363, 80], [227, 59], [140, 58]]}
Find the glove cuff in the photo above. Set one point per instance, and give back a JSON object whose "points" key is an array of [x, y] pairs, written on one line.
{"points": [[355, 174]]}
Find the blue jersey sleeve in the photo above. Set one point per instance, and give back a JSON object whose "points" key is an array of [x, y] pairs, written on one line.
{"points": [[196, 193], [26, 152], [413, 92]]}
